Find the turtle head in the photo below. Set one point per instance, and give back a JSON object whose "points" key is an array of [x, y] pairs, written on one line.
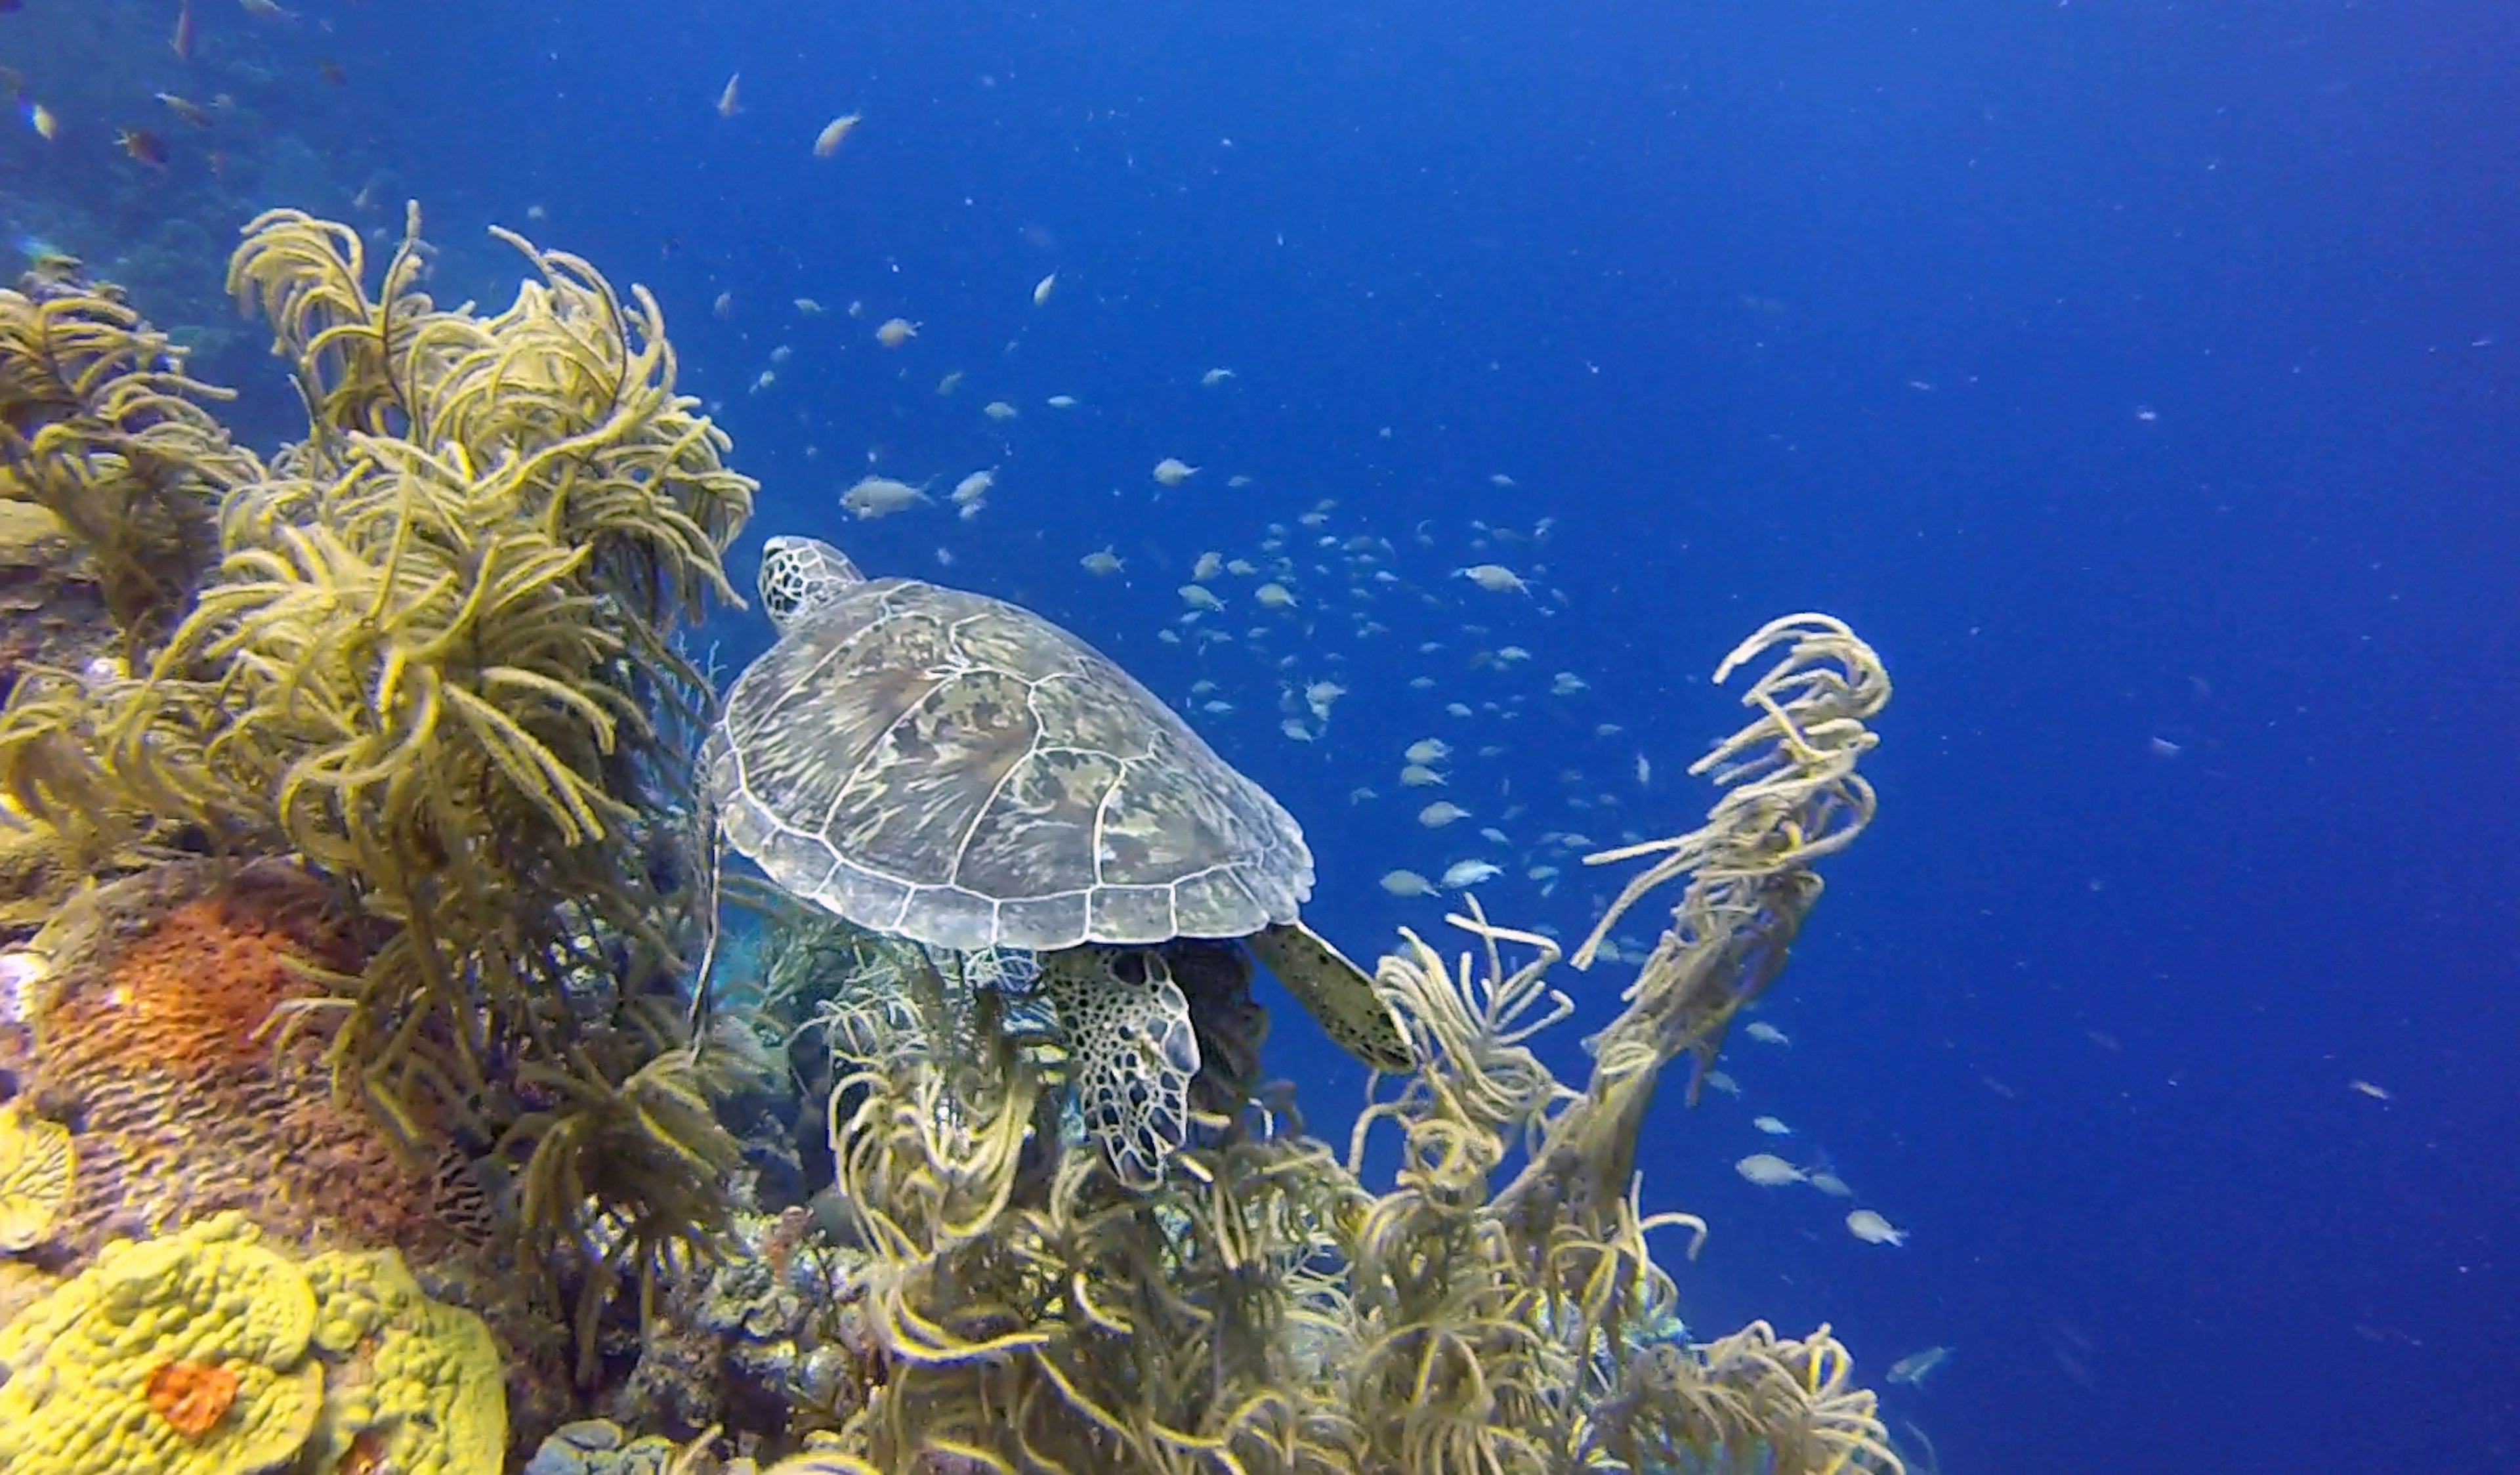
{"points": [[801, 574]]}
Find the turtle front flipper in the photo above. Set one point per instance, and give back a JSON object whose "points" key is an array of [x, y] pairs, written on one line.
{"points": [[1336, 993], [1131, 1050]]}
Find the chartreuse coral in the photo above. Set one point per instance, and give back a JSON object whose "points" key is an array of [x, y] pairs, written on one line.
{"points": [[82, 1362], [420, 1386], [1265, 1309], [37, 1172], [437, 659], [211, 1352]]}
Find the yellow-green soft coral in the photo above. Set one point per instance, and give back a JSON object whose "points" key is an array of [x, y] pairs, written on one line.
{"points": [[1265, 1311], [36, 1174], [80, 1362], [422, 1384], [439, 657], [100, 424]]}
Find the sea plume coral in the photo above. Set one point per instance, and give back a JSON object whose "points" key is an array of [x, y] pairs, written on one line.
{"points": [[1265, 1309], [623, 1164], [100, 424], [109, 445]]}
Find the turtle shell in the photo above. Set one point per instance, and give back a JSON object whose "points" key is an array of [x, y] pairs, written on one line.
{"points": [[957, 770]]}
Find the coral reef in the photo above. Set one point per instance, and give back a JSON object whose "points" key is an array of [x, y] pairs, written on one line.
{"points": [[348, 1085], [769, 1344], [437, 660], [1265, 1309]]}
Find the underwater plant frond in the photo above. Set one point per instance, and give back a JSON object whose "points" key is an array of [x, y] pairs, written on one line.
{"points": [[1791, 797], [618, 1171], [1257, 1307], [307, 277], [1469, 1031], [1751, 1395], [100, 425]]}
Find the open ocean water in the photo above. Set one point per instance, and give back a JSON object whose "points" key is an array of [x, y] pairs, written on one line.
{"points": [[2138, 379]]}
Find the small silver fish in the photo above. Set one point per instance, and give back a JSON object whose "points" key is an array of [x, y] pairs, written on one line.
{"points": [[1914, 1369]]}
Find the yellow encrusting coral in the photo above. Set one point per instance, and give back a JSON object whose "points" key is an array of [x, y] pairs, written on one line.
{"points": [[79, 1362], [38, 1170], [210, 1352], [424, 1385]]}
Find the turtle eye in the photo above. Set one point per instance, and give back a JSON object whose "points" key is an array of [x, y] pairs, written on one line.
{"points": [[1130, 968]]}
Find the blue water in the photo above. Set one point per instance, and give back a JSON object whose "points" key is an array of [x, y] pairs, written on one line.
{"points": [[2138, 379]]}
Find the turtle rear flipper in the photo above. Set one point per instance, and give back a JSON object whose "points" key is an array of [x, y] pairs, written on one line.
{"points": [[1132, 1052], [1336, 993]]}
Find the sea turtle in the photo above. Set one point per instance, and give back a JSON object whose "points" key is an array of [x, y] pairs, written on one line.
{"points": [[950, 769]]}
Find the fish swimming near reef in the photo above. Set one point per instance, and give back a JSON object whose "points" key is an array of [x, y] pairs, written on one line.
{"points": [[1914, 1369], [880, 496], [1767, 1171], [1496, 579], [835, 132], [186, 108], [143, 145]]}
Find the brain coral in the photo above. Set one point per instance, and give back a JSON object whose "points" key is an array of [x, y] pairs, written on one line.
{"points": [[155, 1040]]}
